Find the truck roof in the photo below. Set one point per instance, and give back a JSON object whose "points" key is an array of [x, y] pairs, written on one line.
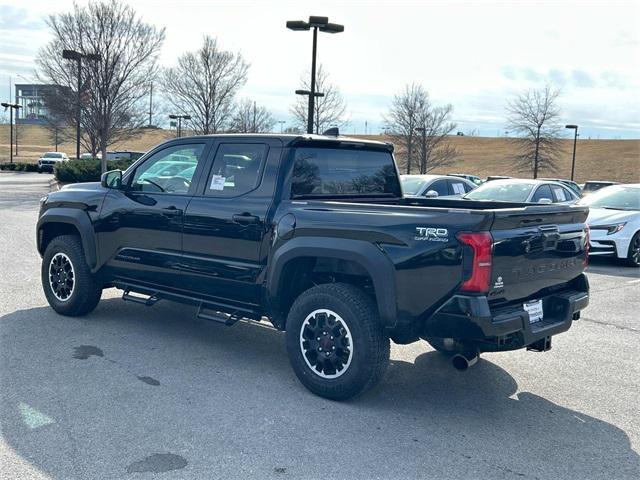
{"points": [[290, 139]]}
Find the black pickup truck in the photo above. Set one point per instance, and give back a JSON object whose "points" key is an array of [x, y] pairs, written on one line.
{"points": [[312, 233]]}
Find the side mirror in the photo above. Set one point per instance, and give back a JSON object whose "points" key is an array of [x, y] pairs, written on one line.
{"points": [[431, 194], [112, 179], [545, 201]]}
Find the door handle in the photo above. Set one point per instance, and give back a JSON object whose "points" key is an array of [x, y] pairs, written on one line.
{"points": [[245, 218], [172, 210]]}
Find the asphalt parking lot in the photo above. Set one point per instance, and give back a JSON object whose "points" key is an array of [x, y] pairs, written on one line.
{"points": [[137, 392]]}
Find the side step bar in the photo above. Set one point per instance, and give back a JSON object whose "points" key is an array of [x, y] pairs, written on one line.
{"points": [[227, 319], [214, 311], [141, 298]]}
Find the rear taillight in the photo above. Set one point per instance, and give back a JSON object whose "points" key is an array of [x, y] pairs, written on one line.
{"points": [[481, 246], [585, 262]]}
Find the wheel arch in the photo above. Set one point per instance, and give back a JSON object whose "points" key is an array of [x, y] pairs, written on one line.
{"points": [[301, 254], [67, 221]]}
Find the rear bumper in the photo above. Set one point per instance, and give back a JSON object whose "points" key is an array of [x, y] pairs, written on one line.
{"points": [[471, 322]]}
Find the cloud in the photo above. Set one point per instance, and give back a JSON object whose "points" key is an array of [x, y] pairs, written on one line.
{"points": [[582, 79]]}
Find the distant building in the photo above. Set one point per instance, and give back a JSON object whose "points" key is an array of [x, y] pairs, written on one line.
{"points": [[31, 98]]}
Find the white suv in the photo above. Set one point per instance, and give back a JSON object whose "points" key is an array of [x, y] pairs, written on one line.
{"points": [[47, 161]]}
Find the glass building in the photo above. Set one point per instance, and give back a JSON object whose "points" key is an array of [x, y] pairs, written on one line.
{"points": [[31, 98]]}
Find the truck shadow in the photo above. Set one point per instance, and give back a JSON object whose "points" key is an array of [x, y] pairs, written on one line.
{"points": [[100, 395]]}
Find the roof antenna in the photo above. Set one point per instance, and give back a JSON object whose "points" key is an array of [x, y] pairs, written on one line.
{"points": [[332, 132]]}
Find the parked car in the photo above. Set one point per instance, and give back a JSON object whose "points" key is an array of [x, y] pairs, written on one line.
{"points": [[569, 183], [614, 221], [434, 185], [593, 186], [124, 155], [50, 159], [472, 178], [496, 177], [521, 190], [313, 234], [90, 156]]}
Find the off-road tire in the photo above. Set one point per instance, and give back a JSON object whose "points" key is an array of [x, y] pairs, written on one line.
{"points": [[86, 291], [368, 339]]}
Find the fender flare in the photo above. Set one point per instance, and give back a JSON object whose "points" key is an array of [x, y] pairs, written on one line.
{"points": [[80, 220], [376, 263]]}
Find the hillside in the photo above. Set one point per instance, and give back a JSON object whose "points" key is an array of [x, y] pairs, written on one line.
{"points": [[617, 160]]}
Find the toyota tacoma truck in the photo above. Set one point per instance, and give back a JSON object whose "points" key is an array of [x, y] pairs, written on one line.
{"points": [[312, 233]]}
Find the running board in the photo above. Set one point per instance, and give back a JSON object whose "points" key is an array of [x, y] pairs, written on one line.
{"points": [[140, 298], [208, 309], [227, 319]]}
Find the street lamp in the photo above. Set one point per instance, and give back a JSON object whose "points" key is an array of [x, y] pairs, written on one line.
{"points": [[77, 56], [11, 107], [423, 163], [317, 23], [281, 122], [575, 139], [180, 118]]}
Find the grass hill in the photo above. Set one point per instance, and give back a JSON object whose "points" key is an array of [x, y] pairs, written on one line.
{"points": [[617, 160]]}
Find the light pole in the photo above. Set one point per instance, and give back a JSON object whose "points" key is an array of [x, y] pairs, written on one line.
{"points": [[180, 118], [281, 122], [77, 56], [11, 107], [317, 23], [575, 139], [312, 103], [423, 163]]}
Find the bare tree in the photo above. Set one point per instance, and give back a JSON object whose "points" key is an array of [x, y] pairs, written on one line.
{"points": [[421, 129], [533, 117], [402, 120], [204, 85], [251, 118], [329, 110], [113, 88]]}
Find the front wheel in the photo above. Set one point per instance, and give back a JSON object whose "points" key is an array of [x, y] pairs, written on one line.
{"points": [[336, 344], [67, 281], [633, 255]]}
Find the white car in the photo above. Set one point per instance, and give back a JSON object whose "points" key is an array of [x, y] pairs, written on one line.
{"points": [[47, 161], [614, 222], [523, 191], [432, 186]]}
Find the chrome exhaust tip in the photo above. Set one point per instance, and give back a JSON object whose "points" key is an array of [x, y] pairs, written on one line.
{"points": [[462, 361]]}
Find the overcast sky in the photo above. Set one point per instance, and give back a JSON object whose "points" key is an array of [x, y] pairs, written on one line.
{"points": [[474, 55]]}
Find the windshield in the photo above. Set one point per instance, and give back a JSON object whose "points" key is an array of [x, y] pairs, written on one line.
{"points": [[502, 192], [52, 155], [411, 186], [616, 197]]}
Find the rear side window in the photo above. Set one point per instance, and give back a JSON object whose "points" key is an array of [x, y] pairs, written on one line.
{"points": [[334, 171], [236, 169], [561, 194], [458, 188], [543, 191], [439, 186]]}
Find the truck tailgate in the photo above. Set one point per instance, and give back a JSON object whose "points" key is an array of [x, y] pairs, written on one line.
{"points": [[536, 248]]}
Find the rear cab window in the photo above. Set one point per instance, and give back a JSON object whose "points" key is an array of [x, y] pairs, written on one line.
{"points": [[334, 172]]}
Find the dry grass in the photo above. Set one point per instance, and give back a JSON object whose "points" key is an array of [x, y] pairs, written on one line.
{"points": [[617, 160]]}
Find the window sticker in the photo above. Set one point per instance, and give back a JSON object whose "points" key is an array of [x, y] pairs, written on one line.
{"points": [[217, 182], [458, 188]]}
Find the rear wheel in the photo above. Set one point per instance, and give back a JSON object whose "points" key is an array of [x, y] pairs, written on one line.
{"points": [[336, 345], [633, 255], [67, 281]]}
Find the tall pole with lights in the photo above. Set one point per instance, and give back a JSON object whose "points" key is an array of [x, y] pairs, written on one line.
{"points": [[317, 23], [180, 118], [11, 107], [575, 140], [77, 56]]}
